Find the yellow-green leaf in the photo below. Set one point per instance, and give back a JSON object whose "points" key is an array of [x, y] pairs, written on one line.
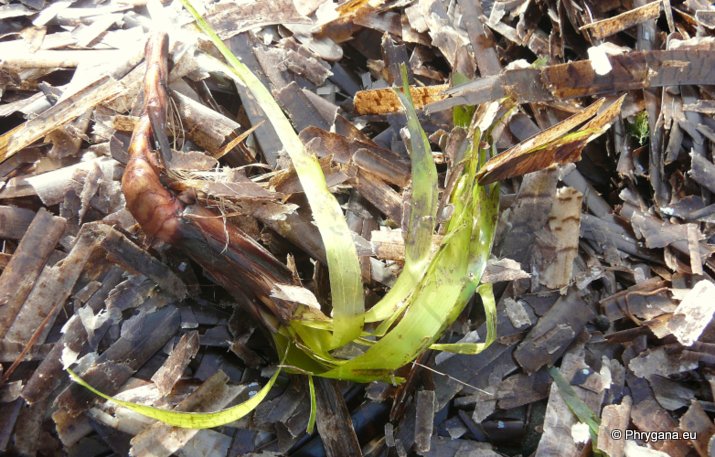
{"points": [[421, 218], [185, 419]]}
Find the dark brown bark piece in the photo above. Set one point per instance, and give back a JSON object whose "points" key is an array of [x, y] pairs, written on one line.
{"points": [[703, 171], [381, 195], [367, 155], [268, 139], [334, 422], [696, 422], [554, 332], [14, 221], [29, 428], [481, 38], [122, 251], [531, 212], [634, 70], [425, 402], [174, 366], [10, 351], [648, 415], [20, 275], [552, 146], [522, 389], [300, 109]]}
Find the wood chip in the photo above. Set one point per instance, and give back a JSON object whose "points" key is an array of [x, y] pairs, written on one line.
{"points": [[142, 337], [637, 69], [230, 18], [334, 422], [614, 420], [19, 277], [554, 332], [607, 27], [558, 241], [633, 334], [425, 419], [174, 366], [694, 313], [383, 101], [696, 423]]}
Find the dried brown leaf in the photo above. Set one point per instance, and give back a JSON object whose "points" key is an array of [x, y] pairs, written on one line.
{"points": [[552, 146]]}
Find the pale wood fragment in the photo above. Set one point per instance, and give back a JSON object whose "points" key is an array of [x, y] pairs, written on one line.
{"points": [[557, 243], [559, 421], [52, 186], [694, 313], [230, 18], [207, 128], [390, 244], [22, 58], [614, 420]]}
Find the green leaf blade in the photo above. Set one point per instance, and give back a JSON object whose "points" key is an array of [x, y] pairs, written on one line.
{"points": [[421, 219], [185, 419]]}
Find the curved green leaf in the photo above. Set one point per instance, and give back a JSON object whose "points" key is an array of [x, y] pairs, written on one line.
{"points": [[421, 217]]}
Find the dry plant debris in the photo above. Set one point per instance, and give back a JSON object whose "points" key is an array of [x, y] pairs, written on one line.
{"points": [[603, 265]]}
